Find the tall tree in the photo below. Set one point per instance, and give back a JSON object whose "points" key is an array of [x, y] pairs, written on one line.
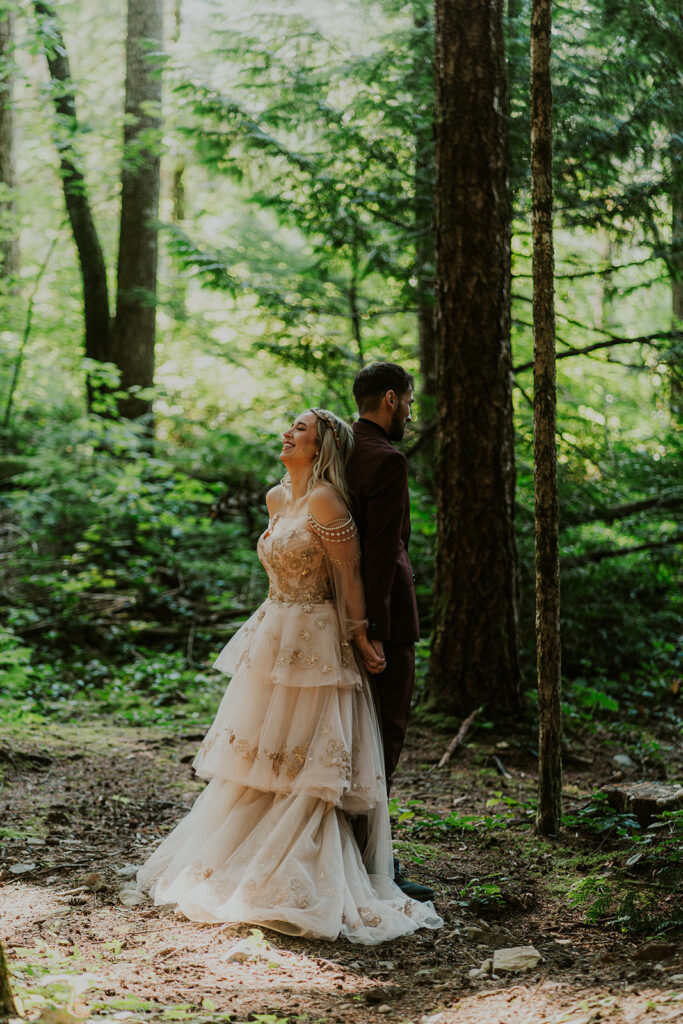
{"points": [[135, 325], [421, 84], [9, 245], [178, 200], [475, 647], [66, 132], [676, 263], [545, 456]]}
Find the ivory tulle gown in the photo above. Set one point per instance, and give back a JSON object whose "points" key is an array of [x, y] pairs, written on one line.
{"points": [[293, 751]]}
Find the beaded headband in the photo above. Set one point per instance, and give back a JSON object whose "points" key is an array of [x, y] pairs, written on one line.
{"points": [[326, 418]]}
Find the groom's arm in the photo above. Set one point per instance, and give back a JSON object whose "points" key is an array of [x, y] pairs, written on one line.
{"points": [[385, 510]]}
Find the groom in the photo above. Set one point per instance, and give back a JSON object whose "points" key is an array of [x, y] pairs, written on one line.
{"points": [[378, 481]]}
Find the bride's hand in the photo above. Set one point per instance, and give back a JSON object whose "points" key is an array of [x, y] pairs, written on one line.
{"points": [[373, 661]]}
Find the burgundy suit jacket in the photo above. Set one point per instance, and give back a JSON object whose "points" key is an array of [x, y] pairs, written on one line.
{"points": [[377, 475]]}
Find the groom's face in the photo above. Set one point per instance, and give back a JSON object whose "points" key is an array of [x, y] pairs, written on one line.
{"points": [[401, 415]]}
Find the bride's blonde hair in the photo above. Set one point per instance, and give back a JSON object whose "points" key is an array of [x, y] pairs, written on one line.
{"points": [[335, 438]]}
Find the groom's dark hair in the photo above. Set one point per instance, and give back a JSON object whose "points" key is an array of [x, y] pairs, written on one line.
{"points": [[373, 382]]}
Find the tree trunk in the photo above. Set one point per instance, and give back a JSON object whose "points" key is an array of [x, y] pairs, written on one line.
{"points": [[7, 1007], [549, 815], [9, 243], [134, 329], [475, 647], [424, 274], [677, 256], [93, 270], [676, 270], [354, 311], [178, 278], [424, 219]]}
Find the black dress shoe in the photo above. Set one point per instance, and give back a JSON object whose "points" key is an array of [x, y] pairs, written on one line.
{"points": [[413, 889]]}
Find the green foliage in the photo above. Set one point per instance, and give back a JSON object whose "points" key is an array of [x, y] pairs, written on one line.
{"points": [[15, 657], [416, 822], [334, 147], [599, 818], [618, 82], [621, 608], [119, 576], [480, 894], [306, 157], [615, 903], [638, 893]]}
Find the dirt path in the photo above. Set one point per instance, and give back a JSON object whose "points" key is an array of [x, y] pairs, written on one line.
{"points": [[80, 801]]}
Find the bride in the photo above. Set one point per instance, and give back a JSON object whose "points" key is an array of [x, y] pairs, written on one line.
{"points": [[295, 747]]}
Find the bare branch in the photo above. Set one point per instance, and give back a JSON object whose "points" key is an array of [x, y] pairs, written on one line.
{"points": [[645, 339], [600, 555], [610, 515], [458, 738]]}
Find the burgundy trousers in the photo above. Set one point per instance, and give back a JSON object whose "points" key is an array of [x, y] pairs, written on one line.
{"points": [[394, 689]]}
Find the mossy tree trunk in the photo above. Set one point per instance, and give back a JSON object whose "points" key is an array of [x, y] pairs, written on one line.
{"points": [[67, 130], [474, 656], [545, 456], [135, 324], [9, 242]]}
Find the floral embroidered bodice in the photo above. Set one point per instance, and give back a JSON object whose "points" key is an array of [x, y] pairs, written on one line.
{"points": [[294, 558]]}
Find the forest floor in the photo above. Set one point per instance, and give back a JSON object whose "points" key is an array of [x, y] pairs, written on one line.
{"points": [[81, 800]]}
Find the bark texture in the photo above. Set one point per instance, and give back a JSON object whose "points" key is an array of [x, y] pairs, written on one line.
{"points": [[546, 532], [93, 270], [178, 200], [9, 244], [676, 267], [475, 648], [424, 273], [677, 257], [424, 222], [135, 325]]}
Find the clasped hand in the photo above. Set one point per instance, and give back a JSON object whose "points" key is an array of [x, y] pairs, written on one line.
{"points": [[371, 652]]}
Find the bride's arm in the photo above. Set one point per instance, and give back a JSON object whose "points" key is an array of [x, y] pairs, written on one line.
{"points": [[331, 521]]}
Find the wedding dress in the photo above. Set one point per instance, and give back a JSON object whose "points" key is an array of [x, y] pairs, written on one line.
{"points": [[294, 750]]}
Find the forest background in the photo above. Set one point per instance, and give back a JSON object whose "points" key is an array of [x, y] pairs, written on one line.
{"points": [[148, 366], [296, 244], [290, 255]]}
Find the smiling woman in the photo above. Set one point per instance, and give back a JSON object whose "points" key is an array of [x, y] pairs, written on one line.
{"points": [[295, 747], [317, 448], [301, 442]]}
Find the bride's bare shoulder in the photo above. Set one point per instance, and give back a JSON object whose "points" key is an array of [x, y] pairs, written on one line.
{"points": [[275, 499], [325, 504]]}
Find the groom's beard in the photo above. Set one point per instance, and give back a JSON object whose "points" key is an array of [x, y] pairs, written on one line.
{"points": [[397, 427]]}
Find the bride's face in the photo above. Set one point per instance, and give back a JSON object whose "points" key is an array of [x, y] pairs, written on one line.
{"points": [[300, 442]]}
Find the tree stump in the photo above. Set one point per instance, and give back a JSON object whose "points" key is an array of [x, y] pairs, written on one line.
{"points": [[644, 799]]}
